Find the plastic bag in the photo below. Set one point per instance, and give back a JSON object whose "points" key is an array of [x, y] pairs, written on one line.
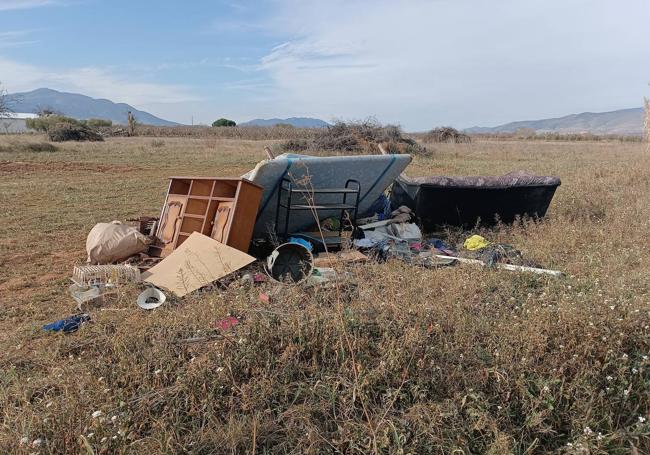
{"points": [[405, 231], [113, 242], [475, 242]]}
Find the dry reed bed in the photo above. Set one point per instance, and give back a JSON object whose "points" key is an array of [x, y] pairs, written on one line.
{"points": [[408, 361]]}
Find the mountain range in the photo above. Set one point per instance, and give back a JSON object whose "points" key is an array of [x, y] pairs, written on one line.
{"points": [[84, 107], [79, 106], [298, 122], [620, 122]]}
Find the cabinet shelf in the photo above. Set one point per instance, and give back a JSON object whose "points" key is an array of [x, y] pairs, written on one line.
{"points": [[203, 204], [206, 198]]}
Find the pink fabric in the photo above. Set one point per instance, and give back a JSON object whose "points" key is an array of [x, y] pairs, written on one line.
{"points": [[226, 323]]}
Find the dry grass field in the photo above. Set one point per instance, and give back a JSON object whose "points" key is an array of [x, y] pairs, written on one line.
{"points": [[453, 360]]}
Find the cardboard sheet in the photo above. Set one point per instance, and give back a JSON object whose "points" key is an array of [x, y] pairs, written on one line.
{"points": [[198, 262]]}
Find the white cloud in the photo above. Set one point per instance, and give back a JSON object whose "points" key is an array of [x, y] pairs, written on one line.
{"points": [[6, 5], [426, 63], [16, 38], [91, 81]]}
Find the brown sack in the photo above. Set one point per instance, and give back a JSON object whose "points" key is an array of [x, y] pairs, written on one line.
{"points": [[113, 242]]}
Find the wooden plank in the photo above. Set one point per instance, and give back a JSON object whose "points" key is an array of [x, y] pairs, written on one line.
{"points": [[327, 260], [247, 202]]}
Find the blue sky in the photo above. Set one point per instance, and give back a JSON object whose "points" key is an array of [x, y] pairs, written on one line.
{"points": [[417, 63]]}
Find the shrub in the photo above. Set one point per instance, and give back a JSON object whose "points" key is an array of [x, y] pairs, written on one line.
{"points": [[295, 145], [98, 122], [65, 131], [223, 122], [156, 143], [35, 147], [39, 147], [45, 122], [361, 137], [446, 134], [61, 128], [525, 133]]}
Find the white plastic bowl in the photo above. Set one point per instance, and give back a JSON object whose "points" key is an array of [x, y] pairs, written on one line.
{"points": [[148, 294]]}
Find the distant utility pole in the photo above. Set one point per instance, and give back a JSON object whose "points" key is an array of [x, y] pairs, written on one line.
{"points": [[192, 120]]}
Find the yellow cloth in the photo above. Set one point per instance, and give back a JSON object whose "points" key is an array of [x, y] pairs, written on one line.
{"points": [[475, 242]]}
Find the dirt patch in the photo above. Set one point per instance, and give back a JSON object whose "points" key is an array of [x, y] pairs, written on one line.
{"points": [[23, 167], [25, 284], [13, 284], [17, 283], [21, 258]]}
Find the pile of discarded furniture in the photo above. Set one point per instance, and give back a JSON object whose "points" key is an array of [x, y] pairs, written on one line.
{"points": [[293, 214]]}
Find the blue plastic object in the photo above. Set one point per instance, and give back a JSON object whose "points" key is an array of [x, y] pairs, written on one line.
{"points": [[437, 243], [381, 208], [67, 325], [306, 243], [440, 245]]}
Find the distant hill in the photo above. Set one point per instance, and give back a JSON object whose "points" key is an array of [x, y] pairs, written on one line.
{"points": [[621, 122], [80, 107], [298, 122]]}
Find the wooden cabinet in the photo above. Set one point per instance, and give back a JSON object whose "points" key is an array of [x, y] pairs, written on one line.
{"points": [[222, 208]]}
